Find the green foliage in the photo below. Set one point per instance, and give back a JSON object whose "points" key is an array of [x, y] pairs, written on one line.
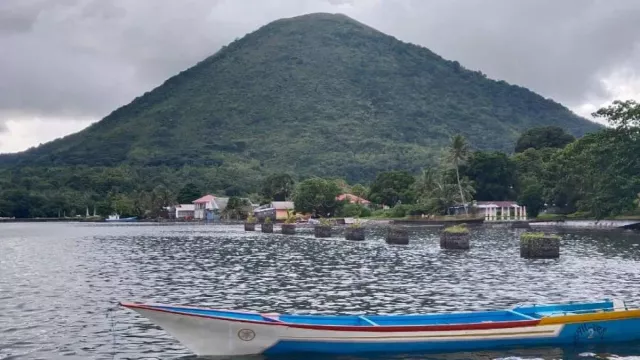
{"points": [[251, 219], [277, 187], [144, 191], [356, 224], [601, 172], [537, 235], [267, 220], [437, 190], [551, 217], [236, 208], [457, 229], [532, 197], [543, 137], [360, 191], [400, 211], [579, 215], [458, 154], [391, 187], [354, 210], [325, 222], [319, 94], [291, 217], [493, 174], [623, 115], [317, 196]]}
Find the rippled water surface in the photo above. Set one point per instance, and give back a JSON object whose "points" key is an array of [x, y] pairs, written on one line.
{"points": [[59, 281]]}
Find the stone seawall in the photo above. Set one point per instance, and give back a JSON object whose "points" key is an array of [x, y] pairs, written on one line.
{"points": [[589, 224]]}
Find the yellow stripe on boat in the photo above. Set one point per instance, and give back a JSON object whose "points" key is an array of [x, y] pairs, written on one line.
{"points": [[600, 316]]}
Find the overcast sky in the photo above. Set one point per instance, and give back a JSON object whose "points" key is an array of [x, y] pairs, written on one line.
{"points": [[67, 63]]}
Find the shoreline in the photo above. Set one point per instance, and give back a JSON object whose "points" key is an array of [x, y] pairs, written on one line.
{"points": [[623, 224]]}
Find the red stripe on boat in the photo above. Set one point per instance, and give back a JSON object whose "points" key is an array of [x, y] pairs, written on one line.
{"points": [[381, 328]]}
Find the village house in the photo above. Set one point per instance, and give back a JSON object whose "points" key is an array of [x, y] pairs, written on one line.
{"points": [[492, 210], [281, 208], [211, 207], [276, 210], [508, 209]]}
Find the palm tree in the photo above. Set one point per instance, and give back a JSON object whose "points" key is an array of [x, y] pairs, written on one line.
{"points": [[458, 154]]}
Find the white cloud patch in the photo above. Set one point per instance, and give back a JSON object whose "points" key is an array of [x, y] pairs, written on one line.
{"points": [[23, 134], [78, 59]]}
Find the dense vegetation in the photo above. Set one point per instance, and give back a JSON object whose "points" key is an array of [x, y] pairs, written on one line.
{"points": [[323, 95], [595, 176], [316, 94]]}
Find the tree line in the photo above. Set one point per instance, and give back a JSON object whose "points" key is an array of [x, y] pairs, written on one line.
{"points": [[595, 176]]}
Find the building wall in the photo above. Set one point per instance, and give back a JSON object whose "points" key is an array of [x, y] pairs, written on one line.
{"points": [[181, 214], [281, 214]]}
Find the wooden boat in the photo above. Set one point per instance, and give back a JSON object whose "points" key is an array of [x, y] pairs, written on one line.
{"points": [[209, 332]]}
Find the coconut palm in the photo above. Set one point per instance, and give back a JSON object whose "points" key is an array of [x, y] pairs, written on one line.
{"points": [[458, 153], [434, 190]]}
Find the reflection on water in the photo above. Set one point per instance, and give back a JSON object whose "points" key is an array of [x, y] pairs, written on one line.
{"points": [[58, 282]]}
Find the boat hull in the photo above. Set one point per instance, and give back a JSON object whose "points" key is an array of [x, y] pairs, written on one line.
{"points": [[130, 219], [212, 336]]}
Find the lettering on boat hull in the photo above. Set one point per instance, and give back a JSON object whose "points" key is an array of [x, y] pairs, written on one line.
{"points": [[589, 332]]}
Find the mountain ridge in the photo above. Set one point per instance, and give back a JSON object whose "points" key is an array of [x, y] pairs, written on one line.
{"points": [[316, 94]]}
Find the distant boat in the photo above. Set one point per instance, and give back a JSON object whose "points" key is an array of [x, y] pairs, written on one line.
{"points": [[116, 218], [209, 332]]}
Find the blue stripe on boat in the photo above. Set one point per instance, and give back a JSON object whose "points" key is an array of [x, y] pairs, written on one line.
{"points": [[518, 313], [573, 334]]}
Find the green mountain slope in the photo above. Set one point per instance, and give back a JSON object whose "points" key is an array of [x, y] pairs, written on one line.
{"points": [[316, 94]]}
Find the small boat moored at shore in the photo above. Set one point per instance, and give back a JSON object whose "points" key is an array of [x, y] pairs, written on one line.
{"points": [[209, 332], [117, 218]]}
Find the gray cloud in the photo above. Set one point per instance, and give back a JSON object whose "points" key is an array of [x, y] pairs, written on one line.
{"points": [[84, 58]]}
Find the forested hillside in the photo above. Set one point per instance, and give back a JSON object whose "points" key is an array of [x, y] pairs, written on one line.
{"points": [[315, 94]]}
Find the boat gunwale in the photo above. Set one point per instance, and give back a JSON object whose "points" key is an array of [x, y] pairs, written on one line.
{"points": [[350, 328]]}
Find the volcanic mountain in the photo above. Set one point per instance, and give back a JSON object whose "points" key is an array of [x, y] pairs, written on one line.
{"points": [[317, 94]]}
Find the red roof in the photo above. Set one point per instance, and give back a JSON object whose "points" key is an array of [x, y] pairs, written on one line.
{"points": [[203, 200], [352, 199]]}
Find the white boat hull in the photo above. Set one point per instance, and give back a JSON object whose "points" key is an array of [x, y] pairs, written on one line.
{"points": [[211, 332], [215, 337]]}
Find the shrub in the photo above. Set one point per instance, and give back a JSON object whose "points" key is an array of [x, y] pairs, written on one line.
{"points": [[356, 224], [457, 229], [380, 213], [291, 218], [400, 211], [354, 210], [536, 235], [547, 216], [251, 219]]}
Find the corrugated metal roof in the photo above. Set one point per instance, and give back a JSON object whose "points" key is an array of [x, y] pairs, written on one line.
{"points": [[204, 199]]}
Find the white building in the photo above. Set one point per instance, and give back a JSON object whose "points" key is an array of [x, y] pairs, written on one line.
{"points": [[185, 211], [502, 210]]}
